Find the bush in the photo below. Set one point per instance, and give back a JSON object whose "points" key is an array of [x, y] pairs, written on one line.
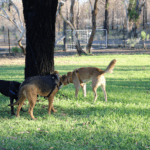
{"points": [[133, 41], [143, 35], [147, 37], [16, 50]]}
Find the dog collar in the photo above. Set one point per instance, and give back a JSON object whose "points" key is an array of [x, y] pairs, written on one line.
{"points": [[12, 92], [53, 89]]}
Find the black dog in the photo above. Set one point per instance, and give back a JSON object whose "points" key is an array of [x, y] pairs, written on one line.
{"points": [[10, 89]]}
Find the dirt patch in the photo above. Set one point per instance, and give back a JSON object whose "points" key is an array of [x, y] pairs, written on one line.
{"points": [[106, 51], [12, 61]]}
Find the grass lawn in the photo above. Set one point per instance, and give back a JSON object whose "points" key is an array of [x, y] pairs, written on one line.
{"points": [[79, 124]]}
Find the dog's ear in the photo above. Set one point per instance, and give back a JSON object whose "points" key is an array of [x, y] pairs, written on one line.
{"points": [[69, 74], [55, 72], [63, 77]]}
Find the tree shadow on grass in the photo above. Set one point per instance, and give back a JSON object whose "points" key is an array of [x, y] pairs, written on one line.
{"points": [[112, 86], [78, 138], [99, 109]]}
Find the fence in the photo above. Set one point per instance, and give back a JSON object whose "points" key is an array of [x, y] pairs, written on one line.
{"points": [[13, 35], [116, 38], [100, 38]]}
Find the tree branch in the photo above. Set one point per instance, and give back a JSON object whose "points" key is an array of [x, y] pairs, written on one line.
{"points": [[21, 29], [76, 41]]}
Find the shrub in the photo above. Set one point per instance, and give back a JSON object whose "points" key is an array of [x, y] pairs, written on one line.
{"points": [[16, 50], [147, 37], [143, 35], [133, 41]]}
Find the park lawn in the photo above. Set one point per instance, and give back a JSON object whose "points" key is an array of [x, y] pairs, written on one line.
{"points": [[121, 123]]}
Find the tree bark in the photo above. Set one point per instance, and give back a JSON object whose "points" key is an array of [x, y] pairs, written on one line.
{"points": [[145, 15], [40, 17], [94, 13], [113, 19], [72, 13], [77, 18], [64, 33], [106, 22], [134, 21]]}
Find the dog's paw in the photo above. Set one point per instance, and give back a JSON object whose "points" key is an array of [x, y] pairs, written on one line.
{"points": [[13, 114], [23, 110], [33, 118], [54, 110]]}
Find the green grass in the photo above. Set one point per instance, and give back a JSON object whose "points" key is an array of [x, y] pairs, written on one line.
{"points": [[79, 124]]}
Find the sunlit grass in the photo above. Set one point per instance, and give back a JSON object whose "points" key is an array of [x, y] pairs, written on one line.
{"points": [[121, 123]]}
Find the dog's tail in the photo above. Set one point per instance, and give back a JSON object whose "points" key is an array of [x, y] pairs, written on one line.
{"points": [[20, 98], [16, 103], [110, 67]]}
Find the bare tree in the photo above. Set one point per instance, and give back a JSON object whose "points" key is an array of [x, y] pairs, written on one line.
{"points": [[19, 23], [113, 19], [145, 15], [75, 36], [72, 21], [134, 11], [77, 17], [106, 21], [94, 13]]}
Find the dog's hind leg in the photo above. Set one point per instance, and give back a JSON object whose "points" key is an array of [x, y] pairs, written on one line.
{"points": [[76, 83], [83, 85], [103, 85], [95, 93], [104, 91], [22, 98], [95, 85], [51, 99], [32, 100]]}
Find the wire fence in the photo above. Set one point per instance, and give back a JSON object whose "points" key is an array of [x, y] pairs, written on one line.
{"points": [[119, 38], [115, 39], [100, 38], [9, 36]]}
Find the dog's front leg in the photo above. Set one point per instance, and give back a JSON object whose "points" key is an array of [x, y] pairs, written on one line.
{"points": [[12, 107], [50, 106], [32, 104], [51, 99], [83, 85], [77, 87]]}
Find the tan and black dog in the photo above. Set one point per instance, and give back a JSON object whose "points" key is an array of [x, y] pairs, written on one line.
{"points": [[46, 86], [79, 77]]}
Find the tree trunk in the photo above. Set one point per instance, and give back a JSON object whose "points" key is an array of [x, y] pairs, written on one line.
{"points": [[77, 18], [106, 22], [65, 39], [145, 15], [113, 19], [72, 13], [134, 19], [94, 13], [40, 33], [75, 36]]}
